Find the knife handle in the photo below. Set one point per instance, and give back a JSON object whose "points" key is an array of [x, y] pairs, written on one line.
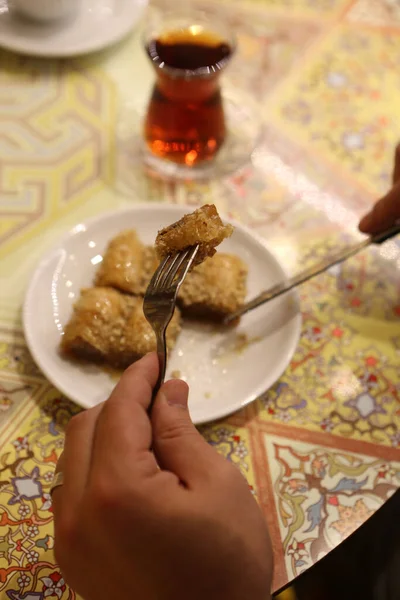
{"points": [[379, 238]]}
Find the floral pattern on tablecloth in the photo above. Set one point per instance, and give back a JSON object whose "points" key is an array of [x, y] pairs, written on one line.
{"points": [[322, 495]]}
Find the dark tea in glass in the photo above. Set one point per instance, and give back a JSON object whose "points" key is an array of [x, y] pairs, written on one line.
{"points": [[185, 120]]}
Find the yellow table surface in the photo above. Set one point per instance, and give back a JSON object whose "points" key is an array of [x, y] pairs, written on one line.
{"points": [[320, 449]]}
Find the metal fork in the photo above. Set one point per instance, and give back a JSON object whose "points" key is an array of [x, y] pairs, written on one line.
{"points": [[160, 299]]}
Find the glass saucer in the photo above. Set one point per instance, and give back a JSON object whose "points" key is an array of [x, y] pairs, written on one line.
{"points": [[243, 131]]}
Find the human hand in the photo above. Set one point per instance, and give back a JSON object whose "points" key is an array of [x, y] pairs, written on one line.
{"points": [[386, 211], [125, 528]]}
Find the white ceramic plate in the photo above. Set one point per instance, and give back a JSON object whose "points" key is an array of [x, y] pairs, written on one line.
{"points": [[98, 24], [223, 373]]}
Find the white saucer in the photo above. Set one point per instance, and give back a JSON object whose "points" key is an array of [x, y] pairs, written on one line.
{"points": [[224, 374], [99, 23], [243, 133]]}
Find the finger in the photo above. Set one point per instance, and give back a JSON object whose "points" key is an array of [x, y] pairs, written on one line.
{"points": [[396, 170], [75, 461], [384, 214], [123, 436], [178, 445]]}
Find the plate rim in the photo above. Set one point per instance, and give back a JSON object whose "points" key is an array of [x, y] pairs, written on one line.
{"points": [[88, 48], [49, 254]]}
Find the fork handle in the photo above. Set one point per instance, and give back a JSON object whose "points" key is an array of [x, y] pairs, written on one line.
{"points": [[162, 364]]}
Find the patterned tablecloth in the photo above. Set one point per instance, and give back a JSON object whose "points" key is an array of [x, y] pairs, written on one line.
{"points": [[320, 450]]}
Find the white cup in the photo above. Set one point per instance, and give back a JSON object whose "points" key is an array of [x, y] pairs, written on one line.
{"points": [[45, 10]]}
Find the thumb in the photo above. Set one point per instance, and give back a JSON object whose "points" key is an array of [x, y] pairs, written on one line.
{"points": [[177, 444]]}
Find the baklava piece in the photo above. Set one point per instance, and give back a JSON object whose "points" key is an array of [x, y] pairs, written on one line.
{"points": [[127, 264], [107, 326], [214, 289], [99, 317], [138, 338], [203, 227]]}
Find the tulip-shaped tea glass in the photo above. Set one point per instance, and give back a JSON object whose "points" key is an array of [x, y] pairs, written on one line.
{"points": [[185, 121]]}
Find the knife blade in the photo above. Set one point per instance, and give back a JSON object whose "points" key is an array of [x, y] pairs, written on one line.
{"points": [[313, 271]]}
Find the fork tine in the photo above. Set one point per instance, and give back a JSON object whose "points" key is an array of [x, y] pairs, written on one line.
{"points": [[189, 262], [157, 275], [172, 274], [169, 269], [172, 270], [184, 267]]}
